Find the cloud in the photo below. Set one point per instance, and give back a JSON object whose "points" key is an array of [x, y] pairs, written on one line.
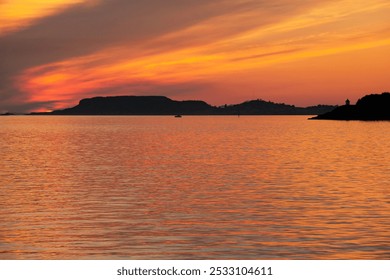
{"points": [[266, 54], [17, 14], [82, 30], [113, 45]]}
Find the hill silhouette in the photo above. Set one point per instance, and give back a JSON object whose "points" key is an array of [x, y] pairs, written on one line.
{"points": [[161, 105], [135, 105], [261, 107], [371, 107]]}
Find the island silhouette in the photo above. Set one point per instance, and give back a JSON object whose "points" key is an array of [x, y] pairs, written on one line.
{"points": [[373, 107], [161, 105]]}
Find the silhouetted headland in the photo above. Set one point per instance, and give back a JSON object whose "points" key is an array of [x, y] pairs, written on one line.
{"points": [[161, 105], [373, 107]]}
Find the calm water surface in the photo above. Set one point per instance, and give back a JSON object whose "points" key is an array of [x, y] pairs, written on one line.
{"points": [[193, 188]]}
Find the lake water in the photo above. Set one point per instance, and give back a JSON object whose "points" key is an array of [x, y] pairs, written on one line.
{"points": [[264, 187]]}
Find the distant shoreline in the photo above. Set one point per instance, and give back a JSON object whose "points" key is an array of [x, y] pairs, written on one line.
{"points": [[163, 106], [373, 107]]}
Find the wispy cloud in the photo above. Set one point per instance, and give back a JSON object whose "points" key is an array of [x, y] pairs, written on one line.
{"points": [[18, 14], [114, 47]]}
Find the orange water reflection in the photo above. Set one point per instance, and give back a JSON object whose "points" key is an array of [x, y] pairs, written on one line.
{"points": [[193, 188]]}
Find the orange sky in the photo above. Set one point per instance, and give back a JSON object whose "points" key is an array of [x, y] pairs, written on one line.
{"points": [[300, 52]]}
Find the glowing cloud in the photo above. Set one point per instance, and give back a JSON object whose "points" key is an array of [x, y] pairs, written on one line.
{"points": [[223, 52], [16, 14]]}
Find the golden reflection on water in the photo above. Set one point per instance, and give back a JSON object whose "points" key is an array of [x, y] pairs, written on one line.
{"points": [[194, 188]]}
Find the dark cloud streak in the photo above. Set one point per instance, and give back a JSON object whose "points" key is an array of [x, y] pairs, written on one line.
{"points": [[82, 30]]}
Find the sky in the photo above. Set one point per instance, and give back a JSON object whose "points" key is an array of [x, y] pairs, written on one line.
{"points": [[302, 52]]}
